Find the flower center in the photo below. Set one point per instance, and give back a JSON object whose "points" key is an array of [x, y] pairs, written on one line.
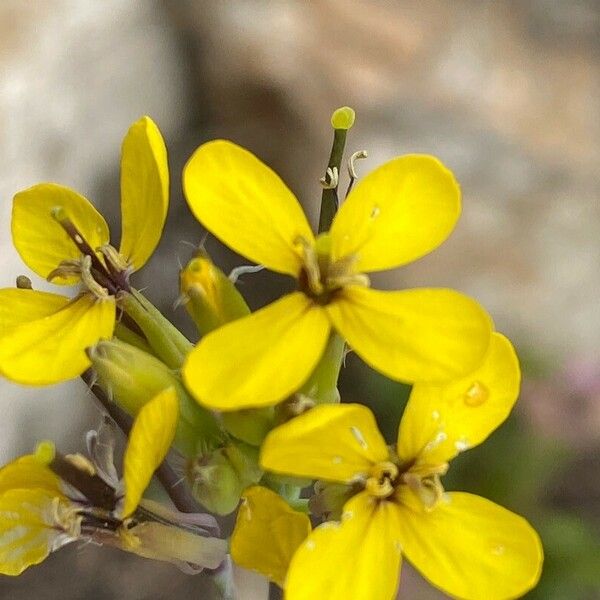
{"points": [[424, 481], [320, 277], [100, 277], [381, 482]]}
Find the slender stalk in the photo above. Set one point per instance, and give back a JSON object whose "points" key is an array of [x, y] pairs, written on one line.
{"points": [[329, 199]]}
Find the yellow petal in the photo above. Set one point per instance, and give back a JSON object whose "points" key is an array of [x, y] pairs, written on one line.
{"points": [[40, 240], [337, 442], [442, 420], [413, 335], [144, 191], [51, 348], [149, 441], [261, 359], [472, 548], [28, 531], [29, 472], [175, 545], [401, 211], [359, 558], [21, 306], [246, 205], [267, 533]]}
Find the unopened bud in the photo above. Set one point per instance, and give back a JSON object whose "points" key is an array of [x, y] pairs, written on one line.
{"points": [[250, 425], [132, 377], [219, 478], [210, 297]]}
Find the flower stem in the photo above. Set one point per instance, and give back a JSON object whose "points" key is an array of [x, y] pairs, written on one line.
{"points": [[329, 199]]}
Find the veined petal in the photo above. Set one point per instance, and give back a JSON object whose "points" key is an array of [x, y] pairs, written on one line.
{"points": [[51, 348], [19, 306], [261, 359], [472, 548], [357, 558], [29, 472], [186, 550], [29, 529], [267, 533], [413, 335], [144, 191], [401, 211], [246, 205], [40, 240], [442, 420], [336, 442], [149, 441]]}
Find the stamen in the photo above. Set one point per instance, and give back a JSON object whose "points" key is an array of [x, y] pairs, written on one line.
{"points": [[381, 482], [88, 279], [331, 179], [60, 215], [311, 266], [351, 166], [242, 270]]}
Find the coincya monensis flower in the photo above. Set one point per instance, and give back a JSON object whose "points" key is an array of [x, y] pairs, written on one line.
{"points": [[41, 511], [398, 213], [62, 237], [466, 545]]}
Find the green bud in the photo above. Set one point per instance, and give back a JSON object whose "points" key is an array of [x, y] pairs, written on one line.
{"points": [[343, 118], [132, 377], [166, 341], [210, 297], [219, 478], [250, 425]]}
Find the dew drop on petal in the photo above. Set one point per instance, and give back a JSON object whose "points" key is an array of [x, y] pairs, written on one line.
{"points": [[435, 415], [347, 515], [310, 545], [397, 546], [337, 460], [476, 395], [498, 550], [375, 212], [440, 438]]}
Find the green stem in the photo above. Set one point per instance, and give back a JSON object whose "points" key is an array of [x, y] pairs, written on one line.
{"points": [[164, 338], [322, 384], [329, 199]]}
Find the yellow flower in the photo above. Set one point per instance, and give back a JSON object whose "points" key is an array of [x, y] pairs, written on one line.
{"points": [[267, 533], [398, 213], [36, 517], [61, 236], [40, 511], [463, 544]]}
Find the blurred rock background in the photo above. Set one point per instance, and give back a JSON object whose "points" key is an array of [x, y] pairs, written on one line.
{"points": [[506, 93]]}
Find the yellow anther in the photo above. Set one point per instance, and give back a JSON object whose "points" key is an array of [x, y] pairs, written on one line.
{"points": [[381, 482]]}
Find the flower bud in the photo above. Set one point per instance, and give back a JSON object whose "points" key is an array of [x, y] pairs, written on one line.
{"points": [[250, 425], [210, 297], [219, 478], [132, 377]]}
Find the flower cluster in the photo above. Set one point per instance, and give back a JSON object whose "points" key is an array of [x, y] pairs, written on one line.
{"points": [[250, 418]]}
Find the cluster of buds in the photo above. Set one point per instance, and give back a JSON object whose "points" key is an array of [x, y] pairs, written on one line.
{"points": [[249, 418]]}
